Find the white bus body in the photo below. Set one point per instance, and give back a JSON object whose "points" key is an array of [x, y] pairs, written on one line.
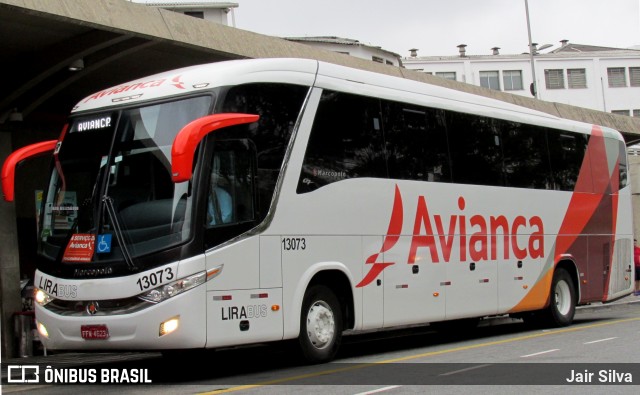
{"points": [[369, 252]]}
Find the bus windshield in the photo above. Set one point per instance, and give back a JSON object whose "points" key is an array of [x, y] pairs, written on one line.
{"points": [[110, 196]]}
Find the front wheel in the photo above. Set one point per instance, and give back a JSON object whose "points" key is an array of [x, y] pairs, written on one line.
{"points": [[320, 325]]}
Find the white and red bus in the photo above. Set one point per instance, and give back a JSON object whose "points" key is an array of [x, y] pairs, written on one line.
{"points": [[254, 201]]}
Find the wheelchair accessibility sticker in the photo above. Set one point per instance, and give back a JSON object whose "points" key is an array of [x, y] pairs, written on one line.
{"points": [[104, 243]]}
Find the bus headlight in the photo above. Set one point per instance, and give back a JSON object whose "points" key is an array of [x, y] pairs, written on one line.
{"points": [[41, 297], [167, 291]]}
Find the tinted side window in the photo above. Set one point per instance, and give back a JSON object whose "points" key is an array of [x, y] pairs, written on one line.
{"points": [[476, 149], [526, 159], [416, 142], [278, 106], [356, 136], [566, 151], [345, 141]]}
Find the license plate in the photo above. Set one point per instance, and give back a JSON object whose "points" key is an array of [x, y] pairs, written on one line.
{"points": [[94, 332]]}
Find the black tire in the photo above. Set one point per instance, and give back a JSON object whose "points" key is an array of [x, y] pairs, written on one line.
{"points": [[562, 306], [564, 298], [320, 325]]}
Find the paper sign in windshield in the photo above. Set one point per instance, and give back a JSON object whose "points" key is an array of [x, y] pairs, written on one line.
{"points": [[80, 248]]}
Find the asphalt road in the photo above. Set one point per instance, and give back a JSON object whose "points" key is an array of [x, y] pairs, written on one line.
{"points": [[599, 353]]}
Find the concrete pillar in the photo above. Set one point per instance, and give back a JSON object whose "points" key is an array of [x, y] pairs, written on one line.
{"points": [[10, 298]]}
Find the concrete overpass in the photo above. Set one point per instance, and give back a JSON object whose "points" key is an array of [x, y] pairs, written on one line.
{"points": [[119, 41]]}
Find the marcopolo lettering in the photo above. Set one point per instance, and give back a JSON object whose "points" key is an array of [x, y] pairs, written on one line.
{"points": [[93, 272], [329, 173]]}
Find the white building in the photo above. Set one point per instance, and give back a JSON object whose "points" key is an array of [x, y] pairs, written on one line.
{"points": [[600, 78], [214, 11], [351, 47]]}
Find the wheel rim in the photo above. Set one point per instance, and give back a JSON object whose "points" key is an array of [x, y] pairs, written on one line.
{"points": [[563, 297], [321, 324]]}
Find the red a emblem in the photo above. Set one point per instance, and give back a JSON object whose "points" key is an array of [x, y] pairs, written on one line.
{"points": [[392, 237]]}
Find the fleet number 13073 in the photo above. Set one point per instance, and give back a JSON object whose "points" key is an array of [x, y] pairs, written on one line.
{"points": [[294, 243]]}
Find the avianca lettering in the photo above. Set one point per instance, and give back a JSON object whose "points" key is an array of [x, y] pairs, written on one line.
{"points": [[475, 236], [175, 81], [99, 123]]}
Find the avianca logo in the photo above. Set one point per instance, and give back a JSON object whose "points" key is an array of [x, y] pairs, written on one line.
{"points": [[175, 81], [475, 236]]}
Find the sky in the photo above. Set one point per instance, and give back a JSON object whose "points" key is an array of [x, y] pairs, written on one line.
{"points": [[437, 27]]}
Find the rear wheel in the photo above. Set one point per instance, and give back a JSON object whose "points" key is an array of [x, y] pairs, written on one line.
{"points": [[562, 306], [320, 325]]}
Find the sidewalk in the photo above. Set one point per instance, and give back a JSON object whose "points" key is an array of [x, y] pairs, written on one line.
{"points": [[629, 299], [70, 359]]}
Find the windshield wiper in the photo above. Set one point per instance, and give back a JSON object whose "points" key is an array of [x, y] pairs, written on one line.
{"points": [[108, 203]]}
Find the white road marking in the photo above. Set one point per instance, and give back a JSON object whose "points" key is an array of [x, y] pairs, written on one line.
{"points": [[601, 340], [379, 390], [539, 353]]}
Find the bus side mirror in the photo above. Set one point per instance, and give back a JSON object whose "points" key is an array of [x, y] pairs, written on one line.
{"points": [[9, 165], [188, 138]]}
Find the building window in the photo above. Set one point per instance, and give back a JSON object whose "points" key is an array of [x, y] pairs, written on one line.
{"points": [[377, 59], [390, 63], [447, 75], [617, 77], [634, 76], [554, 78], [620, 112], [636, 113], [577, 78], [512, 80], [490, 79], [195, 14]]}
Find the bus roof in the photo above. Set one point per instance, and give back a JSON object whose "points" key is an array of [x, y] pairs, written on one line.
{"points": [[199, 78], [325, 75]]}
